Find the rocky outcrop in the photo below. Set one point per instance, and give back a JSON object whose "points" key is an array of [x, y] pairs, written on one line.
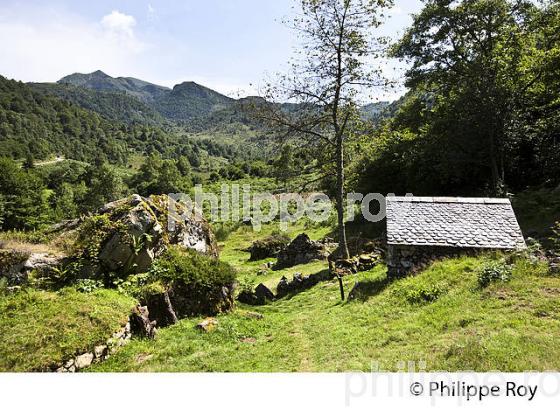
{"points": [[140, 323], [137, 231], [149, 227], [300, 283], [303, 250], [187, 301], [16, 265], [268, 247]]}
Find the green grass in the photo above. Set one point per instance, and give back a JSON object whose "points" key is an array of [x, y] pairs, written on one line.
{"points": [[510, 326], [39, 329], [233, 250]]}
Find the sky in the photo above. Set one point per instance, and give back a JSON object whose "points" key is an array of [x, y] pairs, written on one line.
{"points": [[231, 46]]}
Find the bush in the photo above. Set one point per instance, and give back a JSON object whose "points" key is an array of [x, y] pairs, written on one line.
{"points": [[268, 247], [495, 271], [192, 268], [197, 284], [418, 293]]}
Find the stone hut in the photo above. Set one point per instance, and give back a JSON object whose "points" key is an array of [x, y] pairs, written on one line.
{"points": [[421, 229]]}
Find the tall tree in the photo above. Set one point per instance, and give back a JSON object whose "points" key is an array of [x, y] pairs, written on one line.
{"points": [[334, 69], [469, 52]]}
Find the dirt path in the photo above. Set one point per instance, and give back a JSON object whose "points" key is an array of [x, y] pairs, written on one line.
{"points": [[305, 364], [54, 161]]}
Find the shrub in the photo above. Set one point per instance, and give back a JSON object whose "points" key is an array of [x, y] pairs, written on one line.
{"points": [[88, 285], [495, 271], [421, 293], [268, 247], [193, 268], [197, 284]]}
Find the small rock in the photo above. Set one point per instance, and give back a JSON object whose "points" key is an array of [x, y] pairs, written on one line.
{"points": [[207, 325], [84, 360], [140, 324], [263, 293], [100, 351], [283, 287], [69, 364], [141, 358], [254, 315]]}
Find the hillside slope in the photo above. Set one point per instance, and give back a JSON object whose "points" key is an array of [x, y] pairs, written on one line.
{"points": [[440, 320], [112, 105], [99, 81]]}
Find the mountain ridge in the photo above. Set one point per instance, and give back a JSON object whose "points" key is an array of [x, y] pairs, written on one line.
{"points": [[189, 104]]}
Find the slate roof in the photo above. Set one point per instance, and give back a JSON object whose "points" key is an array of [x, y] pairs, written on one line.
{"points": [[453, 222]]}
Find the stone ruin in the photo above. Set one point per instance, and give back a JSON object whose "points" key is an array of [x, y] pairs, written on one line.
{"points": [[303, 250]]}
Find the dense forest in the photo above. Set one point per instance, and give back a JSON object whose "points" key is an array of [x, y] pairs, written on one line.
{"points": [[483, 112]]}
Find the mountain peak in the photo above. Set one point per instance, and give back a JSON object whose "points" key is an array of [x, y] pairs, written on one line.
{"points": [[100, 73]]}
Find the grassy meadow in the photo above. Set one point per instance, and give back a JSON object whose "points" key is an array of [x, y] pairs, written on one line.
{"points": [[508, 326]]}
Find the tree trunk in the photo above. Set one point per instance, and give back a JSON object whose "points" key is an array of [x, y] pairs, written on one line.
{"points": [[170, 311], [496, 180], [342, 244]]}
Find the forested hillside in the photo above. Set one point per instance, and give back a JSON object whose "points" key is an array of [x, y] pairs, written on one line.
{"points": [[483, 112], [112, 105]]}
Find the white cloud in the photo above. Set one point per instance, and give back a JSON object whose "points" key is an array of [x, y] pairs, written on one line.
{"points": [[45, 44], [119, 23]]}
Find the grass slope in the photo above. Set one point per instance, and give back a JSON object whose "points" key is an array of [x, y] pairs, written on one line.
{"points": [[510, 326], [39, 328]]}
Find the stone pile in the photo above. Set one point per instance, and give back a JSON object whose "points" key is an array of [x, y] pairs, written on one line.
{"points": [[299, 283], [359, 263], [268, 247], [99, 353], [303, 250]]}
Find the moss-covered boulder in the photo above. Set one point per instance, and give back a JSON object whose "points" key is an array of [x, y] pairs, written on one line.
{"points": [[127, 235], [268, 247], [183, 283]]}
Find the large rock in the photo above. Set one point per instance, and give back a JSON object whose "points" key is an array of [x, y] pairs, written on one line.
{"points": [[140, 323], [268, 247], [146, 226], [303, 250], [16, 265]]}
